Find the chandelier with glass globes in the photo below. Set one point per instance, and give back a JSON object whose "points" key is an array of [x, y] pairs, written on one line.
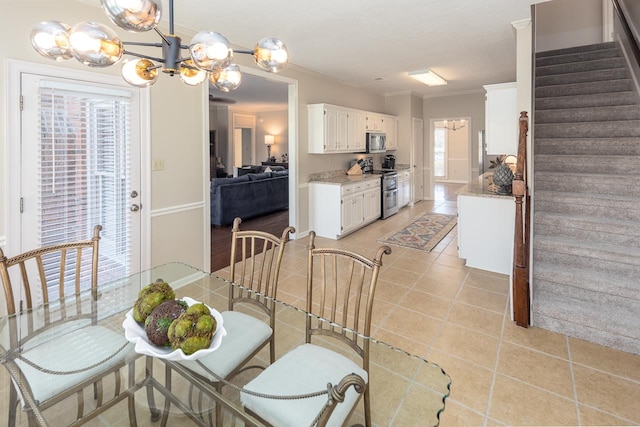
{"points": [[96, 45]]}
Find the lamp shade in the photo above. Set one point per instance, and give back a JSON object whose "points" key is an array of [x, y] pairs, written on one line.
{"points": [[268, 139]]}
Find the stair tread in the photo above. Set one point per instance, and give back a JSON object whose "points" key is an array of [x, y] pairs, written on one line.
{"points": [[621, 251], [621, 97], [631, 225], [590, 313], [582, 76], [556, 90], [599, 281], [605, 199], [542, 157]]}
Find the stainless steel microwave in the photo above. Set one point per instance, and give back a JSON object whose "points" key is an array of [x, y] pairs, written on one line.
{"points": [[376, 142]]}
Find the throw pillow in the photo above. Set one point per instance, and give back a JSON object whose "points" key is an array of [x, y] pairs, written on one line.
{"points": [[267, 169]]}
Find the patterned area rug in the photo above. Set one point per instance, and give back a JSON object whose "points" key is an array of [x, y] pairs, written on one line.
{"points": [[423, 232]]}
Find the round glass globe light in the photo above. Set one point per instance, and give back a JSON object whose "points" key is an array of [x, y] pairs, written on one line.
{"points": [[271, 54], [226, 79], [133, 15], [95, 44], [51, 40], [191, 75], [210, 51], [139, 72]]}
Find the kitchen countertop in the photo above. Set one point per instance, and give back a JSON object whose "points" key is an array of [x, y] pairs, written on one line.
{"points": [[342, 178], [482, 187]]}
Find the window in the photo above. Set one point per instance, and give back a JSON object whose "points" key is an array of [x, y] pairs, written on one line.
{"points": [[440, 152], [82, 165]]}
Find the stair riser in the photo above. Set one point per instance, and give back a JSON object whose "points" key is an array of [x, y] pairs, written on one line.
{"points": [[565, 280], [558, 258], [614, 185], [629, 128], [586, 101], [583, 88], [587, 333], [603, 212], [593, 147], [582, 77], [615, 320], [554, 290], [586, 235], [595, 164], [599, 114], [577, 49], [580, 67], [577, 57]]}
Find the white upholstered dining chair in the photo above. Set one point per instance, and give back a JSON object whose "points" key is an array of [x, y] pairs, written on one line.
{"points": [[250, 319], [51, 298], [340, 289]]}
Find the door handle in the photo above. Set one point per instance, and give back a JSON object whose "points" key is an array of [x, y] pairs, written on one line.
{"points": [[134, 208]]}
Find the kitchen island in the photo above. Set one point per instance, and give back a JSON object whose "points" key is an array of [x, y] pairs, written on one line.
{"points": [[486, 222]]}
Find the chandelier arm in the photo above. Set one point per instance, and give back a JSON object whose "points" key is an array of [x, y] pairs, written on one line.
{"points": [[142, 44], [165, 38], [139, 55], [246, 52]]}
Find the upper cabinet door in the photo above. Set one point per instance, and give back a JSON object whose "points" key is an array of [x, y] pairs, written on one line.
{"points": [[501, 119]]}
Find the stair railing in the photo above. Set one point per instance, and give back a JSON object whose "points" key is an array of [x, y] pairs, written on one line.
{"points": [[522, 227]]}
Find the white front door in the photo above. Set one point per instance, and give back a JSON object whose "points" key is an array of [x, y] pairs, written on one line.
{"points": [[79, 166]]}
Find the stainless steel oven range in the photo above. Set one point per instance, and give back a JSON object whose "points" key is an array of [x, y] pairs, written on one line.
{"points": [[389, 187]]}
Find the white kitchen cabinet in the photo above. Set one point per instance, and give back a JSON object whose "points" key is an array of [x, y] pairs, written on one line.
{"points": [[501, 119], [328, 129], [336, 210], [391, 129], [336, 129], [404, 188], [485, 232], [372, 204], [357, 130], [374, 123]]}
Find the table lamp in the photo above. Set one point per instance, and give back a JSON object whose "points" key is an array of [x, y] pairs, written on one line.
{"points": [[268, 140]]}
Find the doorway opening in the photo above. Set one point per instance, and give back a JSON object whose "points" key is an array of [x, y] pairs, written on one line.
{"points": [[451, 150]]}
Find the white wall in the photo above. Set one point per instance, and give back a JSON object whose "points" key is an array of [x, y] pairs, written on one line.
{"points": [[179, 131], [568, 23], [464, 105]]}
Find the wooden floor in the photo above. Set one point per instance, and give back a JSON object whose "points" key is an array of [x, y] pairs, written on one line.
{"points": [[273, 223]]}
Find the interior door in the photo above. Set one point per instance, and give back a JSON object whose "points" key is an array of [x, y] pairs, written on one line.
{"points": [[80, 166], [420, 168]]}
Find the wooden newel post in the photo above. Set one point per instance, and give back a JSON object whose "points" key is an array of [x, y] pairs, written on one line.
{"points": [[521, 242]]}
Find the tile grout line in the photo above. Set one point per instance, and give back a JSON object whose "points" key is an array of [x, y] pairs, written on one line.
{"points": [[573, 381], [495, 365]]}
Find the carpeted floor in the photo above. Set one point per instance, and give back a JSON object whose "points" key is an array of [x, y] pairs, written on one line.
{"points": [[423, 232]]}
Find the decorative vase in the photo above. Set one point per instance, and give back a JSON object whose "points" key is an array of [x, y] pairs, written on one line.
{"points": [[503, 178]]}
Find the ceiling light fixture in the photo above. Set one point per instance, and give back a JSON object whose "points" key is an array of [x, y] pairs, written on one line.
{"points": [[427, 77], [453, 126], [96, 45]]}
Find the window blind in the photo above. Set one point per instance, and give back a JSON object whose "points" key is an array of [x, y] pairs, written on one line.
{"points": [[83, 172]]}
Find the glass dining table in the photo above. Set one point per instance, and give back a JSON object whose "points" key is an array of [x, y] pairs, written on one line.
{"points": [[405, 389]]}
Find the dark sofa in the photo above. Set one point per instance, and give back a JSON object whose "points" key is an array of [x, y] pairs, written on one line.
{"points": [[248, 196]]}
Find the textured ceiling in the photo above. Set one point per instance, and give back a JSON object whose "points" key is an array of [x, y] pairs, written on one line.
{"points": [[374, 43]]}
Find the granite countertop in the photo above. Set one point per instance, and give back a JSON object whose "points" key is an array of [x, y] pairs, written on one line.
{"points": [[482, 187], [342, 178]]}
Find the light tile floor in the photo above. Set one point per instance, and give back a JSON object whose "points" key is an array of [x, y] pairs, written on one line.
{"points": [[433, 306]]}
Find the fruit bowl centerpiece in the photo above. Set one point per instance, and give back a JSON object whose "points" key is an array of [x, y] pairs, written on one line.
{"points": [[163, 327]]}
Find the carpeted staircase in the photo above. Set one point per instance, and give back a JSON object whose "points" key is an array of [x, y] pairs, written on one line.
{"points": [[586, 224]]}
